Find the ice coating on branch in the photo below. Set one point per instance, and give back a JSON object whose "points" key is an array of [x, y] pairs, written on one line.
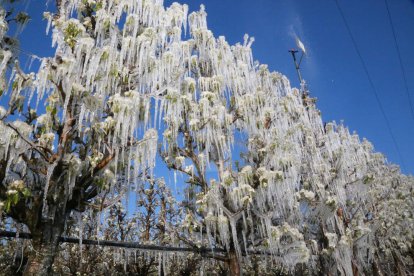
{"points": [[45, 210], [5, 54]]}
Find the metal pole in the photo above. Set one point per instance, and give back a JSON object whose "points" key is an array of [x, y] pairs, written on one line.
{"points": [[135, 245], [297, 65]]}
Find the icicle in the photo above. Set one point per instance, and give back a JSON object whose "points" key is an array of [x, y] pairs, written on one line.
{"points": [[50, 171], [6, 58], [49, 18], [235, 238]]}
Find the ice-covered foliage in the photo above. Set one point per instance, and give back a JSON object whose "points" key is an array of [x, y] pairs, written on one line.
{"points": [[5, 54], [123, 69], [87, 109]]}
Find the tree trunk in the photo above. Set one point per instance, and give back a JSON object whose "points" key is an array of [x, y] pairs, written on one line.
{"points": [[41, 259], [45, 247], [376, 268], [355, 270], [162, 225], [234, 264], [398, 264]]}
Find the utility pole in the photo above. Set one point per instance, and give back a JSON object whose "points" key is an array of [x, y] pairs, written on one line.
{"points": [[297, 64]]}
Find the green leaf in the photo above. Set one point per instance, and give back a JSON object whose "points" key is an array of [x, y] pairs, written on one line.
{"points": [[15, 198], [26, 192], [99, 6], [54, 111], [15, 85], [7, 205]]}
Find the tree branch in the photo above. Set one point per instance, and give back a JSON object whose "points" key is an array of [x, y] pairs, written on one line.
{"points": [[35, 147]]}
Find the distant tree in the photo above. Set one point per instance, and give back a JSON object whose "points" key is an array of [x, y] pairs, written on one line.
{"points": [[143, 226]]}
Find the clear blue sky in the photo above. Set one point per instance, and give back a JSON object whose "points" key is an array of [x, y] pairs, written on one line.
{"points": [[332, 68]]}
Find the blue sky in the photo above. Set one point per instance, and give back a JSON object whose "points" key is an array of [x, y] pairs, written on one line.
{"points": [[332, 68]]}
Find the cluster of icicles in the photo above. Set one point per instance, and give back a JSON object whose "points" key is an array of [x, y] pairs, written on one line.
{"points": [[135, 62], [5, 55], [10, 145]]}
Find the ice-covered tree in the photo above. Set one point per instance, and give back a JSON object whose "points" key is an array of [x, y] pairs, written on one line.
{"points": [[69, 136], [83, 128]]}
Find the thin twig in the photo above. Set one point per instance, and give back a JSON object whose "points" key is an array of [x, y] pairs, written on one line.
{"points": [[35, 147]]}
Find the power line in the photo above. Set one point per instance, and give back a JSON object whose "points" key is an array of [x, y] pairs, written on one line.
{"points": [[400, 59], [374, 90]]}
